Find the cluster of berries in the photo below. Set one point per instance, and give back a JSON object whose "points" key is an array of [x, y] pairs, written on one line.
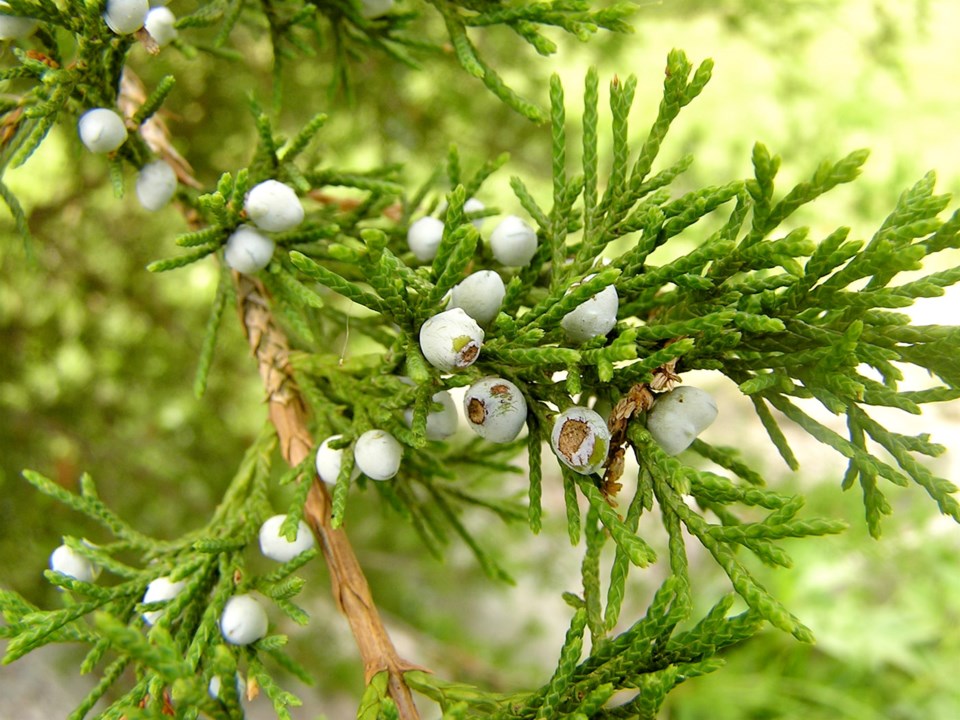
{"points": [[451, 340], [513, 242], [377, 454], [103, 130], [243, 620], [496, 410], [271, 205], [127, 16], [494, 407]]}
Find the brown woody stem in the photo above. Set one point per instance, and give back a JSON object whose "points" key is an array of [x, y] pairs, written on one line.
{"points": [[289, 415]]}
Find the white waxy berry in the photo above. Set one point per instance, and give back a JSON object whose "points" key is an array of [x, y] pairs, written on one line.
{"points": [[678, 417], [451, 340], [441, 424], [424, 238], [216, 683], [375, 8], [378, 454], [243, 620], [13, 27], [329, 461], [125, 16], [594, 316], [496, 409], [248, 251], [473, 205], [159, 22], [479, 295], [101, 130], [69, 562], [513, 242], [276, 546], [156, 184], [273, 206], [581, 440], [157, 591]]}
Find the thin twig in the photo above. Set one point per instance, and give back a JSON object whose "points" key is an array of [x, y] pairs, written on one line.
{"points": [[288, 414], [154, 131]]}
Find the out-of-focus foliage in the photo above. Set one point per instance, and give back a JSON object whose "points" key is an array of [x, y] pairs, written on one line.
{"points": [[96, 373], [902, 667]]}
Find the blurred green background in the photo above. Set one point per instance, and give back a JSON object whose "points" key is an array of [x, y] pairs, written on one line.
{"points": [[98, 356]]}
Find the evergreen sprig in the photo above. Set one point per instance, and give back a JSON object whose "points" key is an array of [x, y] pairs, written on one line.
{"points": [[184, 643], [758, 300], [782, 335]]}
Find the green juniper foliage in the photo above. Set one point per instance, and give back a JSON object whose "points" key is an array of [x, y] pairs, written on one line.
{"points": [[784, 315]]}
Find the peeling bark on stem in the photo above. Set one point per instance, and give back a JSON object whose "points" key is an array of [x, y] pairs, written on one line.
{"points": [[289, 415]]}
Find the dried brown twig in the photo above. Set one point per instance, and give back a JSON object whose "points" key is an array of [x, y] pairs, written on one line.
{"points": [[154, 131], [288, 414], [638, 399]]}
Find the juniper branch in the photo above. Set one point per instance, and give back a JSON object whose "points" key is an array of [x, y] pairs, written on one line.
{"points": [[289, 415]]}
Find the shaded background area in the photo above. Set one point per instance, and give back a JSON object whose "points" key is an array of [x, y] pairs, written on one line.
{"points": [[98, 356]]}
